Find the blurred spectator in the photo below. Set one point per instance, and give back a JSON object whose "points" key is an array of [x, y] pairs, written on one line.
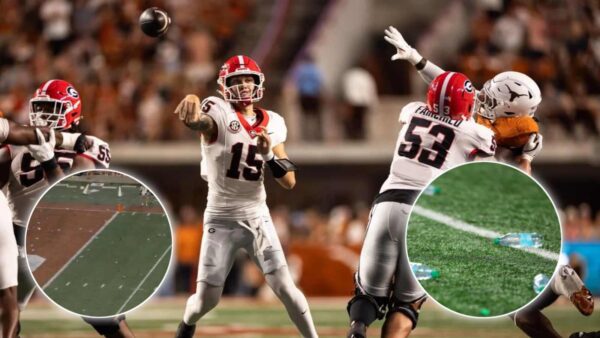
{"points": [[188, 236], [360, 93], [121, 74], [309, 83]]}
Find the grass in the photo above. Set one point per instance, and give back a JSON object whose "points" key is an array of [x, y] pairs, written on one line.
{"points": [[107, 194], [475, 274], [110, 269], [236, 318]]}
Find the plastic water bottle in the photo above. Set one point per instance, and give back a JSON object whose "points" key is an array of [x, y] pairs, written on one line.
{"points": [[539, 282], [432, 190], [423, 272], [520, 240]]}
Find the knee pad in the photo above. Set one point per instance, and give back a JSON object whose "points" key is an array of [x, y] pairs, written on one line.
{"points": [[364, 307], [410, 310]]}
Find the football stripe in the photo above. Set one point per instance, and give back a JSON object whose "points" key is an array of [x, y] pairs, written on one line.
{"points": [[443, 92]]}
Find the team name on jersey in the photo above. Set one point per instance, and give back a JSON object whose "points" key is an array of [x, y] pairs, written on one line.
{"points": [[424, 111]]}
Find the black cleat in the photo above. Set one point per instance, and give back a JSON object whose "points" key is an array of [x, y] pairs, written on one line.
{"points": [[357, 330], [185, 331]]}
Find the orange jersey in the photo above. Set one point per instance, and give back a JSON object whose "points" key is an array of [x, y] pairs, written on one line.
{"points": [[511, 132]]}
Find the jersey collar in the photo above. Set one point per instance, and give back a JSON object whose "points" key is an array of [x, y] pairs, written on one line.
{"points": [[262, 119]]}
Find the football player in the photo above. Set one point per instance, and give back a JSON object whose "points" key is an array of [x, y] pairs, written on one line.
{"points": [[506, 104], [433, 137], [15, 134], [239, 140], [56, 104]]}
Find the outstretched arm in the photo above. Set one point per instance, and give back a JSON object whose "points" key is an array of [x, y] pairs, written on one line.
{"points": [[427, 69], [23, 135], [189, 113]]}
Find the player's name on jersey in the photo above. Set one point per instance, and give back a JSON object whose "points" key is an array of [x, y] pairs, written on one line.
{"points": [[445, 119]]}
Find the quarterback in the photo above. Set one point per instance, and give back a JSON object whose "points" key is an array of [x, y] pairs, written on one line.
{"points": [[433, 137], [238, 139], [506, 105]]}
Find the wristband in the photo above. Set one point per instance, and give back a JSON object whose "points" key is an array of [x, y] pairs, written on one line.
{"points": [[50, 165], [421, 64], [268, 156]]}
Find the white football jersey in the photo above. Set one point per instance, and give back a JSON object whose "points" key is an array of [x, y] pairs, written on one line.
{"points": [[231, 163], [26, 179], [429, 144]]}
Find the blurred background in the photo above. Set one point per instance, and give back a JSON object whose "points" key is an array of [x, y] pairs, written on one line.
{"points": [[328, 72]]}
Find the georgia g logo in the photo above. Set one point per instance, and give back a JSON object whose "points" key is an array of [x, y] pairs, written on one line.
{"points": [[468, 86], [72, 92], [234, 126]]}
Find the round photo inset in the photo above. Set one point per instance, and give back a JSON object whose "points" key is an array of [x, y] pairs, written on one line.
{"points": [[480, 235], [99, 243]]}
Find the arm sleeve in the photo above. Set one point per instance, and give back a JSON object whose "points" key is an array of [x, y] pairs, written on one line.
{"points": [[430, 72], [484, 141], [279, 131]]}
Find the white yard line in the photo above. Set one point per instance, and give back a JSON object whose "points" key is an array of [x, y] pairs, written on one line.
{"points": [[464, 226], [143, 280], [80, 250]]}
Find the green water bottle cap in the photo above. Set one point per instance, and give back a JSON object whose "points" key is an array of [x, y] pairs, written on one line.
{"points": [[435, 274], [484, 312], [497, 240]]}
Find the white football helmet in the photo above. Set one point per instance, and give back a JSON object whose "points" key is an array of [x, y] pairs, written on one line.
{"points": [[509, 94]]}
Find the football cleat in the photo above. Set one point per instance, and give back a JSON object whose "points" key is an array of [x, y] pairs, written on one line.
{"points": [[583, 301]]}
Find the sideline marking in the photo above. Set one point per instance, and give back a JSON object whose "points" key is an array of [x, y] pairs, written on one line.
{"points": [[464, 226], [143, 280], [80, 250]]}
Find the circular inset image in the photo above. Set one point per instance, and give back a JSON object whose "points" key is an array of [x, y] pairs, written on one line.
{"points": [[99, 243], [480, 235]]}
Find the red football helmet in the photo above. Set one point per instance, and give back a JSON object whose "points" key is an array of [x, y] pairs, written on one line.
{"points": [[451, 94], [240, 65], [56, 104]]}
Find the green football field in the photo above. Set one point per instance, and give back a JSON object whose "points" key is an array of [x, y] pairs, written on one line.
{"points": [[98, 194], [118, 269], [477, 277], [242, 318]]}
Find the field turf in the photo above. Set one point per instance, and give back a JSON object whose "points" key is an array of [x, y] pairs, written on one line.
{"points": [[118, 269], [241, 318], [476, 275]]}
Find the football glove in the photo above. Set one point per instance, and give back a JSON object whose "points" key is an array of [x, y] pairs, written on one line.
{"points": [[44, 150], [533, 146], [403, 50]]}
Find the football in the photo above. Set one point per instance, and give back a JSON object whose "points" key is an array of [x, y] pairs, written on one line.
{"points": [[154, 22]]}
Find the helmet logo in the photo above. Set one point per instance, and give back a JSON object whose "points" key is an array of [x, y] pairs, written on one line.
{"points": [[513, 95], [468, 86], [72, 92], [234, 126]]}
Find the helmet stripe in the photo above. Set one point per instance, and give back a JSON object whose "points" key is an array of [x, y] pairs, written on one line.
{"points": [[46, 85], [241, 60], [443, 92]]}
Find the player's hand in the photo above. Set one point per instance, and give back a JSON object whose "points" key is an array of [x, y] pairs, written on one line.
{"points": [[403, 50], [188, 110], [263, 143], [532, 147], [44, 150]]}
